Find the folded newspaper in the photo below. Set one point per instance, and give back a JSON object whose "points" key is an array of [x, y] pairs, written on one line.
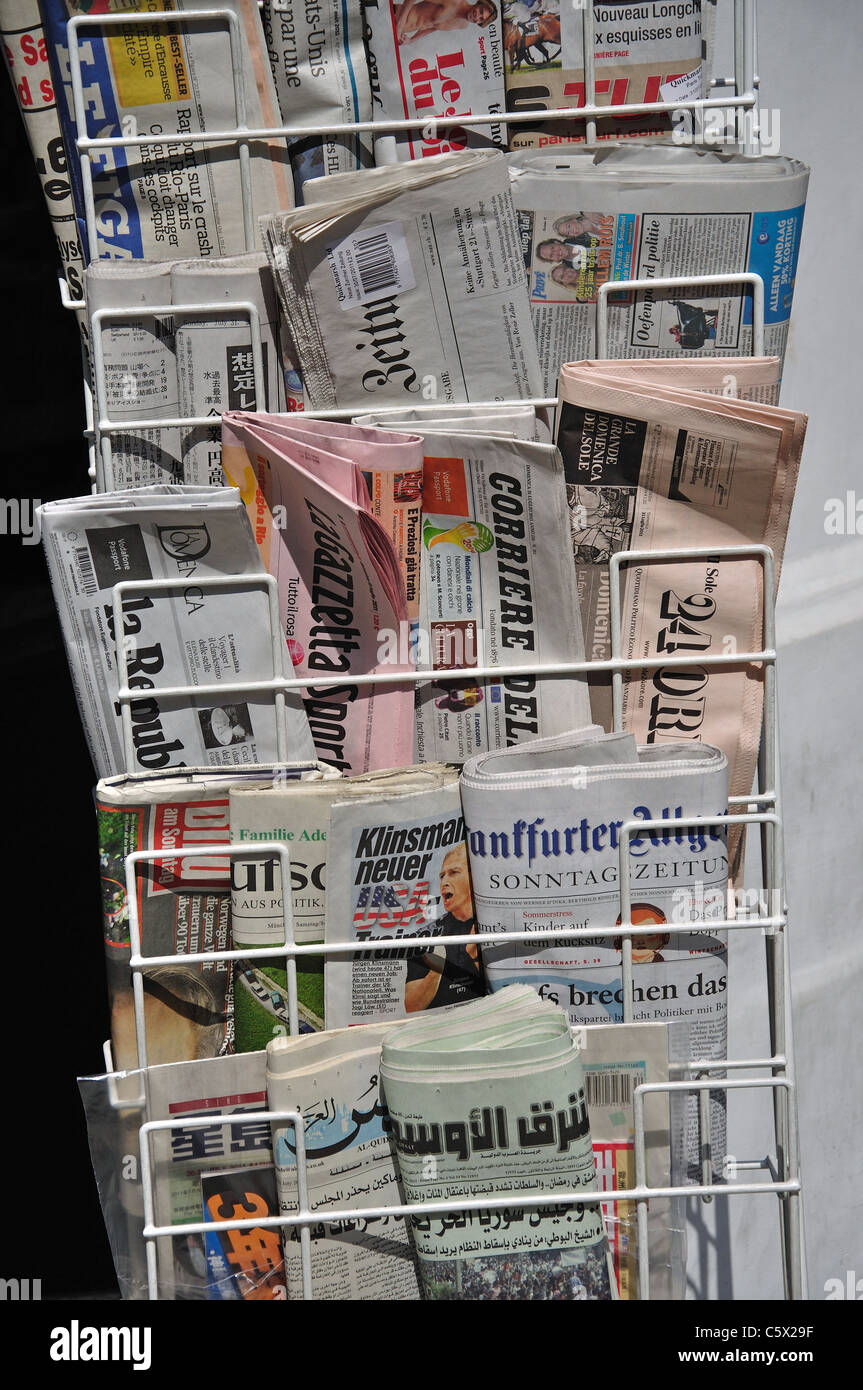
{"points": [[651, 466], [649, 212], [636, 60], [543, 823], [488, 1100], [333, 1081], [174, 198], [171, 364], [439, 62], [181, 634], [339, 584], [298, 814], [405, 284], [183, 906]]}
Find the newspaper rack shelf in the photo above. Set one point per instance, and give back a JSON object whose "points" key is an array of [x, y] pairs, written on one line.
{"points": [[761, 809]]}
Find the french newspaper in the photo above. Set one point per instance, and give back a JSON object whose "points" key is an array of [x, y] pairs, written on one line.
{"points": [[339, 584], [333, 1080], [655, 466], [439, 62], [641, 213], [543, 824], [489, 1100], [407, 285], [184, 635], [175, 198], [643, 52]]}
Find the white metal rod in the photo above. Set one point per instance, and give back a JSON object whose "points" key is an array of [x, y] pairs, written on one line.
{"points": [[668, 282]]}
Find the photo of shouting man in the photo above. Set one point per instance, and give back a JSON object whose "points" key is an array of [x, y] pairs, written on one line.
{"points": [[448, 974]]}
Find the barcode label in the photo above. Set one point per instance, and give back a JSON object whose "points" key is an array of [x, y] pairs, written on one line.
{"points": [[85, 570], [609, 1088], [370, 263]]}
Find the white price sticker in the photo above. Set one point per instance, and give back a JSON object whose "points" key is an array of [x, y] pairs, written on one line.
{"points": [[689, 87], [371, 262]]}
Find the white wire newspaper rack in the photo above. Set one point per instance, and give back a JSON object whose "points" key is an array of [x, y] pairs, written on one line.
{"points": [[701, 1075], [761, 809]]}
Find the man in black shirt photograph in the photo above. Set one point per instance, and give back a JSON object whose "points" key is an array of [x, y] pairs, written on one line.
{"points": [[448, 974]]}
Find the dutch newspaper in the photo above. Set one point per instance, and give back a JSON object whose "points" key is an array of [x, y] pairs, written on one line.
{"points": [[333, 1081], [650, 466], [318, 61], [438, 61], [183, 906], [176, 198], [182, 635], [643, 52], [170, 364], [339, 583], [397, 868], [296, 814], [543, 824], [25, 52], [498, 589], [642, 213], [406, 284], [489, 1100]]}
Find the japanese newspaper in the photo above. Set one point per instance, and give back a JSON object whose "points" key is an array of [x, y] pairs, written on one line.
{"points": [[176, 198], [439, 62], [183, 905], [641, 213], [543, 824], [298, 815], [397, 868], [650, 466], [489, 1100], [183, 635], [407, 285], [339, 584], [642, 53], [319, 69], [333, 1080]]}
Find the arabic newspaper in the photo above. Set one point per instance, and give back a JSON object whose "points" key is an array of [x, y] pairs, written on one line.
{"points": [[339, 583], [183, 907], [317, 57], [647, 212], [185, 635], [489, 1100], [637, 60], [650, 466], [298, 814], [407, 284], [429, 60], [178, 198], [333, 1080], [543, 822]]}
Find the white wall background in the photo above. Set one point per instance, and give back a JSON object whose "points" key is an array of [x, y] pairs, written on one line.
{"points": [[809, 65]]}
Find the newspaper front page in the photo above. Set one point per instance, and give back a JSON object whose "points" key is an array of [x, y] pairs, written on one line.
{"points": [[176, 198], [339, 584], [333, 1080], [650, 466], [542, 826], [643, 52], [489, 1100], [407, 285], [650, 212], [440, 62], [185, 635]]}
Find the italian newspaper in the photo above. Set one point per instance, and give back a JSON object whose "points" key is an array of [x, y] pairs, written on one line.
{"points": [[339, 584], [543, 824], [647, 466], [183, 635], [642, 213], [489, 1100], [407, 285]]}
